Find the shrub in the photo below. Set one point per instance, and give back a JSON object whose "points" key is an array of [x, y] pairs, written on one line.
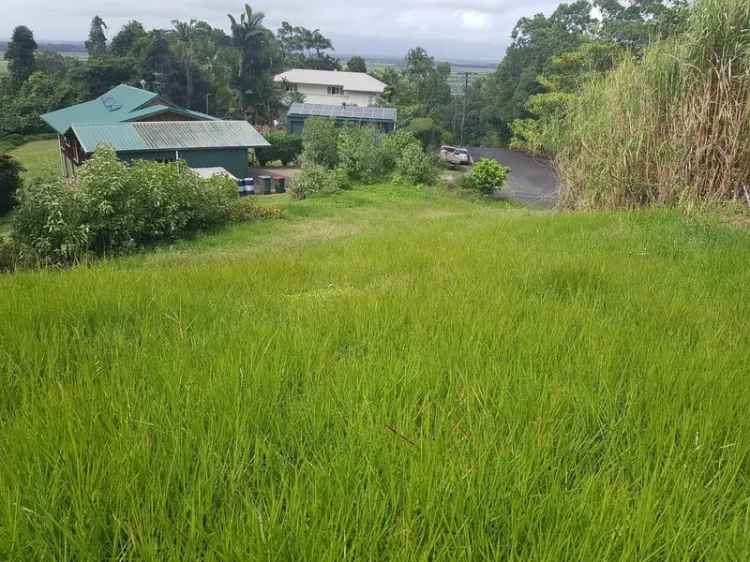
{"points": [[361, 154], [314, 178], [49, 225], [487, 176], [416, 166], [319, 141], [113, 208], [285, 147], [10, 182], [394, 144], [671, 124]]}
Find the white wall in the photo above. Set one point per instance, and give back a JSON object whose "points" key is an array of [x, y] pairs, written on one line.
{"points": [[315, 93]]}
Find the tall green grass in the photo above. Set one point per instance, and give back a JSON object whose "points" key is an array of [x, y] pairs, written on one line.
{"points": [[386, 374], [673, 126]]}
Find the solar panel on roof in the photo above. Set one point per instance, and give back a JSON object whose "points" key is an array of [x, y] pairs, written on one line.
{"points": [[343, 112]]}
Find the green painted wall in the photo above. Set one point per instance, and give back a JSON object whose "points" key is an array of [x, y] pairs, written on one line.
{"points": [[234, 160]]}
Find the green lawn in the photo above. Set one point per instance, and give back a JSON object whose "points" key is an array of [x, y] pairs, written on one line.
{"points": [[40, 158], [386, 373]]}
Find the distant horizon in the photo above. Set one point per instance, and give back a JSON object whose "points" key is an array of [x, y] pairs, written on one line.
{"points": [[341, 54]]}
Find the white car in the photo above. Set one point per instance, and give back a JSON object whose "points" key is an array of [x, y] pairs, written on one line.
{"points": [[455, 156]]}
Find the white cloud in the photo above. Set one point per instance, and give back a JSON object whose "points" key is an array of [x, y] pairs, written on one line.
{"points": [[475, 21], [478, 28]]}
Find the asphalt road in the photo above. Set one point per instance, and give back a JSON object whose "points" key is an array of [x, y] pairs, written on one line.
{"points": [[532, 180]]}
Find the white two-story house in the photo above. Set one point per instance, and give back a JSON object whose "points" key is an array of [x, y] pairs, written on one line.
{"points": [[331, 87]]}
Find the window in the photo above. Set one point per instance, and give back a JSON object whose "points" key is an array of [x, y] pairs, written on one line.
{"points": [[290, 87], [335, 90]]}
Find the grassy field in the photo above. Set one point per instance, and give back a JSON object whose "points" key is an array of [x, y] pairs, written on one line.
{"points": [[387, 373], [40, 158]]}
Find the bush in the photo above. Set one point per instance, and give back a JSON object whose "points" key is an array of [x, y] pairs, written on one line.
{"points": [[487, 176], [319, 141], [394, 144], [314, 178], [49, 225], [113, 208], [10, 182], [416, 166], [285, 147], [669, 125], [361, 154]]}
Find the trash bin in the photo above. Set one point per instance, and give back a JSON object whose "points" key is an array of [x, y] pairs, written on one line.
{"points": [[246, 186], [265, 184], [279, 184]]}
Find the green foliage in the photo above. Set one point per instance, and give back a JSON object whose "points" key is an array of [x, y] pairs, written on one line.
{"points": [[416, 166], [114, 208], [361, 153], [285, 147], [356, 64], [314, 178], [96, 45], [303, 48], [10, 182], [319, 141], [669, 127], [20, 54], [424, 129], [488, 175], [394, 143]]}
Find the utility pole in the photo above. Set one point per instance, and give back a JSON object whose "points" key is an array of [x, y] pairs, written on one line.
{"points": [[466, 95]]}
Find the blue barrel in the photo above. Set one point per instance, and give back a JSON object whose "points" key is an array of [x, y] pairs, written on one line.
{"points": [[246, 186]]}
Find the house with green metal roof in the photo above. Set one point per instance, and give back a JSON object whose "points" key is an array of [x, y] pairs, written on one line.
{"points": [[142, 125]]}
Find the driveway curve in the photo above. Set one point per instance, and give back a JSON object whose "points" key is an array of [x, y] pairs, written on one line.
{"points": [[532, 179]]}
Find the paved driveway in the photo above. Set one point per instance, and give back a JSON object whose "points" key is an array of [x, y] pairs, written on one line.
{"points": [[532, 180]]}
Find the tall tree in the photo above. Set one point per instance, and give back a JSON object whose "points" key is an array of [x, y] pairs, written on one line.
{"points": [[305, 48], [127, 39], [186, 35], [356, 64], [20, 54], [97, 41], [256, 48]]}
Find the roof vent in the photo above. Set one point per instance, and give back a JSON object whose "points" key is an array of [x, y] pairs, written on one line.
{"points": [[111, 103]]}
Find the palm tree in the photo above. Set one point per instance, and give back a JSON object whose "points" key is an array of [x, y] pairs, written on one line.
{"points": [[185, 34], [250, 38]]}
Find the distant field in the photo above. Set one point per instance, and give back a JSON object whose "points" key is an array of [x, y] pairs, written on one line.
{"points": [[3, 65], [458, 71]]}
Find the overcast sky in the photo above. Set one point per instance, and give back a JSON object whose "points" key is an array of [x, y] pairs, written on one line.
{"points": [[462, 29]]}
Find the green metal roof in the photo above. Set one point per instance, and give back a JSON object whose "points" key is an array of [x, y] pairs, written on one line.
{"points": [[168, 135], [121, 103]]}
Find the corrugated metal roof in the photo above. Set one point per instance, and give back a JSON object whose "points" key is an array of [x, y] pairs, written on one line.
{"points": [[121, 103], [120, 136], [343, 112], [168, 135], [351, 81]]}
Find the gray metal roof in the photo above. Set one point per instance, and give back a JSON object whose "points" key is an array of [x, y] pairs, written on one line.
{"points": [[168, 135], [343, 112]]}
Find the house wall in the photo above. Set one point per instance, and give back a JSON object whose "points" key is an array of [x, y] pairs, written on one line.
{"points": [[316, 93], [234, 160]]}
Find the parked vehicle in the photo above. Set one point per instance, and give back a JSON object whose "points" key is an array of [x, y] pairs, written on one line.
{"points": [[455, 156]]}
